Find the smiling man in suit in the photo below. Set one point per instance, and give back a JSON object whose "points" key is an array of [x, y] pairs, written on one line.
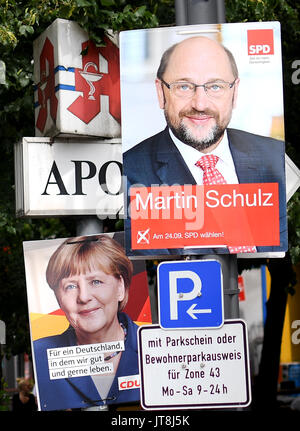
{"points": [[197, 87]]}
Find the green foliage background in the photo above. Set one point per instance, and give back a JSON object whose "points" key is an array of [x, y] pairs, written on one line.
{"points": [[21, 22]]}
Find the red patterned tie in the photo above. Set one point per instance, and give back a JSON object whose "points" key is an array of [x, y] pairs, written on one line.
{"points": [[212, 176]]}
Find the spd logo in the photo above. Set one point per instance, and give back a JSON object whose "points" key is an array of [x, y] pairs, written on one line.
{"points": [[260, 42]]}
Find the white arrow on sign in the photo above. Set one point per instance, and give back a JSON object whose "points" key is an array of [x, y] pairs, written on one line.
{"points": [[191, 311], [292, 176]]}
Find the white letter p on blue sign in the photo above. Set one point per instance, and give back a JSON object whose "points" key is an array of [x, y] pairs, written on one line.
{"points": [[176, 296]]}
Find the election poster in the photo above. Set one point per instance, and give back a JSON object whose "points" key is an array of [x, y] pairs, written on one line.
{"points": [[86, 300], [203, 139]]}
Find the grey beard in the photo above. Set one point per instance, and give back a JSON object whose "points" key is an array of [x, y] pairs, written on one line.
{"points": [[186, 137]]}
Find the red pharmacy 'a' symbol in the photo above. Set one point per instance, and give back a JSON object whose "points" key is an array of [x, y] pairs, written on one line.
{"points": [[46, 86], [92, 82]]}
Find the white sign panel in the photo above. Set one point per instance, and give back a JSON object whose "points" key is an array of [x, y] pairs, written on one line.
{"points": [[2, 332], [68, 177], [84, 360], [194, 368], [190, 294]]}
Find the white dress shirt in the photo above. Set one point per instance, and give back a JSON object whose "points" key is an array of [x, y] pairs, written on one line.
{"points": [[224, 165]]}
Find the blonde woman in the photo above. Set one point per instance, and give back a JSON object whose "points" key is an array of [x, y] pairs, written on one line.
{"points": [[90, 277], [24, 400]]}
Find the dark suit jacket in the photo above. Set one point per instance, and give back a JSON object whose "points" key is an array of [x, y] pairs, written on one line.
{"points": [[80, 392], [157, 161]]}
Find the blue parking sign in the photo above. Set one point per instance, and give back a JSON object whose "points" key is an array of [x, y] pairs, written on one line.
{"points": [[190, 294]]}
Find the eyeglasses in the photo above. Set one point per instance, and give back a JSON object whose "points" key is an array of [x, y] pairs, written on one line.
{"points": [[183, 89]]}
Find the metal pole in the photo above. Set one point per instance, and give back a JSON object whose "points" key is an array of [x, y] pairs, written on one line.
{"points": [[199, 11], [89, 225], [212, 12]]}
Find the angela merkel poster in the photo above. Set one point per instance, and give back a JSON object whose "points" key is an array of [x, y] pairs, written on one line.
{"points": [[86, 300]]}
